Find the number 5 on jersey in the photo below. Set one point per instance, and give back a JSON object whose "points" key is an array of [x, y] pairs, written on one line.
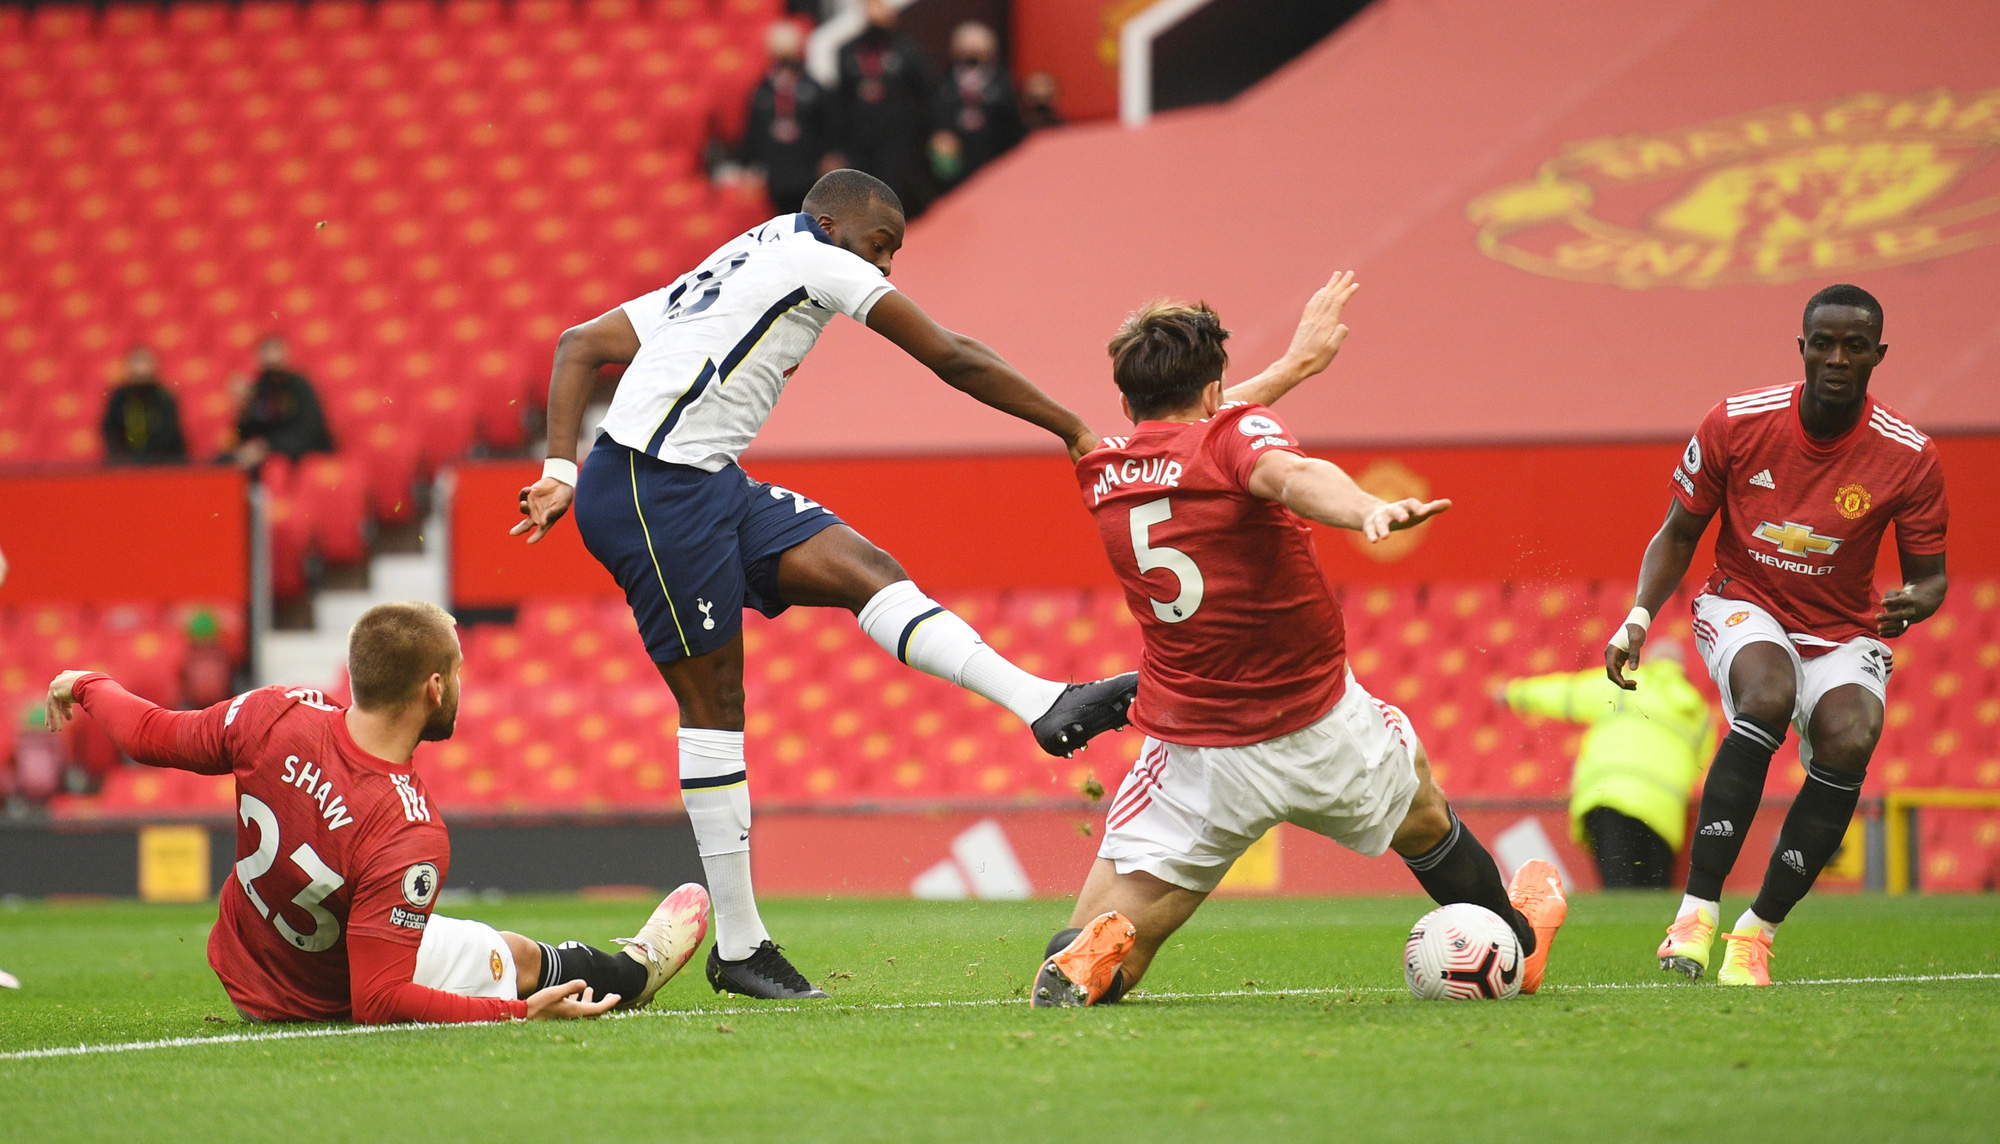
{"points": [[1152, 558]]}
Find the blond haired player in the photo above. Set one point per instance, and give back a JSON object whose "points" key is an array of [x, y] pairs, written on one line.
{"points": [[340, 855]]}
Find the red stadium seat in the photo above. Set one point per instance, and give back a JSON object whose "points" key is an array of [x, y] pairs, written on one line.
{"points": [[472, 14], [266, 18], [391, 452], [333, 495], [127, 21], [53, 24]]}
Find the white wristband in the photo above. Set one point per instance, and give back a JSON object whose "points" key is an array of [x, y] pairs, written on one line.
{"points": [[564, 471], [1639, 616]]}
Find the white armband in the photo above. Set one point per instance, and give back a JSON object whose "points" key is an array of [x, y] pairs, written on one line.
{"points": [[564, 471], [1639, 616]]}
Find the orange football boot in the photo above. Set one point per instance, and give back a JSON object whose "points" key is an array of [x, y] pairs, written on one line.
{"points": [[1538, 893], [1080, 972], [1747, 958]]}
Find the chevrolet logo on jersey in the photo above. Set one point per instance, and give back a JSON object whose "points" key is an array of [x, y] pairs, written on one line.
{"points": [[1795, 539]]}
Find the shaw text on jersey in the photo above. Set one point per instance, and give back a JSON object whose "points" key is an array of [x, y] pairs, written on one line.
{"points": [[307, 778]]}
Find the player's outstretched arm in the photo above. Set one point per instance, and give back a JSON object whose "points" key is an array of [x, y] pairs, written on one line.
{"points": [[1921, 595], [1667, 558], [1322, 491], [607, 339], [382, 992], [1314, 344], [972, 368], [141, 729]]}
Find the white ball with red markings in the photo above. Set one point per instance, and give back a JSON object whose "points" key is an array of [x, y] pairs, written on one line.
{"points": [[1462, 952]]}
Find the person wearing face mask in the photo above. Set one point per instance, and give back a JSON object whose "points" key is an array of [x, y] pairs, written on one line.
{"points": [[787, 133], [882, 112], [142, 421], [976, 111]]}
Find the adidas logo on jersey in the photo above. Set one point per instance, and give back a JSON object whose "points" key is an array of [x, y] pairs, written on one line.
{"points": [[1722, 828], [1795, 860], [1763, 480]]}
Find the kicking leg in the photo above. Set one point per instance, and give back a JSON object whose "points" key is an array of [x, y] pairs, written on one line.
{"points": [[1845, 726], [1763, 685], [838, 568], [1119, 923]]}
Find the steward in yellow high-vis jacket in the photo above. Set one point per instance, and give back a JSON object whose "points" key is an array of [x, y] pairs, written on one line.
{"points": [[1639, 763]]}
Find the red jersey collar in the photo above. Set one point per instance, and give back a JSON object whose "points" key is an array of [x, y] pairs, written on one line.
{"points": [[354, 750], [1825, 447]]}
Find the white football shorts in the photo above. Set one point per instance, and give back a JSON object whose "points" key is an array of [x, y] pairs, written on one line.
{"points": [[467, 958], [1185, 814], [1723, 627]]}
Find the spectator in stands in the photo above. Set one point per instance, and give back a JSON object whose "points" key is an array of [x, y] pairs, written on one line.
{"points": [[976, 113], [787, 136], [281, 413], [882, 112], [142, 421], [1639, 761], [208, 673], [1038, 102]]}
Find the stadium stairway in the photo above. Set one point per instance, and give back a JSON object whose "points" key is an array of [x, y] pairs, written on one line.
{"points": [[317, 657]]}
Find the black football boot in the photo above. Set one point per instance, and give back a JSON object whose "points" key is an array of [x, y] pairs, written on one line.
{"points": [[1085, 710], [765, 973]]}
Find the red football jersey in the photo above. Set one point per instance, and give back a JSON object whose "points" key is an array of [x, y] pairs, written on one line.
{"points": [[332, 844], [1243, 639], [1802, 520]]}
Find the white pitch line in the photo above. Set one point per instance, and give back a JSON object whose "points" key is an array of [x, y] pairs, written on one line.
{"points": [[894, 1006], [221, 1039]]}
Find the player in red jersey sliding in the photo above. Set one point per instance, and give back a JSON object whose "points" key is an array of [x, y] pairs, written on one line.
{"points": [[1251, 715], [340, 854], [1807, 479]]}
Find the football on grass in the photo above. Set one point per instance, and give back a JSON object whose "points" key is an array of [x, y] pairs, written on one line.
{"points": [[1462, 952]]}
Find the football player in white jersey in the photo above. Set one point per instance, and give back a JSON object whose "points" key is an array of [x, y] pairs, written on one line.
{"points": [[693, 540]]}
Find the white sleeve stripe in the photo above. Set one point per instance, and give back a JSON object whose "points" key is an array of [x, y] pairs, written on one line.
{"points": [[1760, 394], [1895, 422], [1911, 438], [1749, 411]]}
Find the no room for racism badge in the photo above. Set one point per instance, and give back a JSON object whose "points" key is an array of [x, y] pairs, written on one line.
{"points": [[1857, 183]]}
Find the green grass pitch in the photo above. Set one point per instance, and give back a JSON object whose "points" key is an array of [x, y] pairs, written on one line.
{"points": [[1263, 1020]]}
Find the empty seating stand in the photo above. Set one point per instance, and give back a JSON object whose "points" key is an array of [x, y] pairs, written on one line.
{"points": [[421, 196]]}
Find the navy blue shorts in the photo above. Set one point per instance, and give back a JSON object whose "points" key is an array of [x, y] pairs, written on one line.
{"points": [[692, 549]]}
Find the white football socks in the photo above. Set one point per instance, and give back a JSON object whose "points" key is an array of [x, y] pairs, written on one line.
{"points": [[715, 790], [1750, 918], [919, 631], [1690, 903]]}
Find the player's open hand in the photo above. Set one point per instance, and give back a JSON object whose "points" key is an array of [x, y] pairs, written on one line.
{"points": [[1395, 516], [1900, 609], [543, 503], [1621, 654], [565, 1001], [62, 697], [1320, 333]]}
